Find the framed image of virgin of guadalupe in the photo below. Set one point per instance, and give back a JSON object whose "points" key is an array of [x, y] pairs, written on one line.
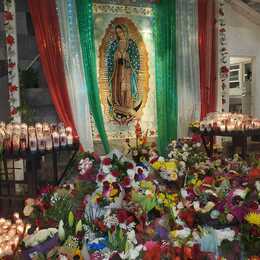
{"points": [[123, 71]]}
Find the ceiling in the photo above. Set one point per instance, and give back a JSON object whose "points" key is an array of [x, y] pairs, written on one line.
{"points": [[255, 4], [248, 8]]}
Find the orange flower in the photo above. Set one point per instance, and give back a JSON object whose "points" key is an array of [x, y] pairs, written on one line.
{"points": [[254, 174]]}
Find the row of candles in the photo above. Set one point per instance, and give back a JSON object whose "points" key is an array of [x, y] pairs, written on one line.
{"points": [[20, 137], [12, 233], [228, 122]]}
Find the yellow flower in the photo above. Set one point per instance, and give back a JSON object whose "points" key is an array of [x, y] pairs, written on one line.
{"points": [[174, 176], [77, 254], [157, 165], [170, 166], [198, 183], [113, 192], [253, 218], [161, 197], [173, 234]]}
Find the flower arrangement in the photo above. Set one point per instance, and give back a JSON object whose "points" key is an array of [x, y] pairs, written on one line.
{"points": [[119, 209], [141, 151]]}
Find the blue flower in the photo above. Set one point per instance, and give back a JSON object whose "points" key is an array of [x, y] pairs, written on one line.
{"points": [[99, 244]]}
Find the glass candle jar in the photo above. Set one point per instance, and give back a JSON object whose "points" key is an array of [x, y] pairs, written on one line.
{"points": [[56, 139], [33, 143]]}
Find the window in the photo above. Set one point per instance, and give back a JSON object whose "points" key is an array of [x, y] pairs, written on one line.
{"points": [[235, 76]]}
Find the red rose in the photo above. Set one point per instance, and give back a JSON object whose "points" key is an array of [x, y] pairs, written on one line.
{"points": [[37, 222], [122, 215], [188, 217], [115, 173], [253, 205], [12, 88], [126, 181], [224, 69], [11, 65], [196, 138], [130, 219], [8, 16], [13, 111], [101, 226], [96, 157], [100, 177], [130, 166], [9, 40], [208, 180], [107, 161]]}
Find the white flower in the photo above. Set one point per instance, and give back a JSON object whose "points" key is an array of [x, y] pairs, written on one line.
{"points": [[241, 193], [225, 234], [131, 237], [182, 164], [185, 147], [61, 231], [184, 193], [161, 159], [257, 185], [111, 220], [132, 253], [110, 178], [84, 165], [229, 217], [214, 214], [195, 235], [131, 173], [106, 168], [180, 205], [183, 233], [39, 237], [209, 206]]}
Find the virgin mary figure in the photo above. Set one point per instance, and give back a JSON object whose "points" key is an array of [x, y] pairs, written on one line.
{"points": [[123, 65]]}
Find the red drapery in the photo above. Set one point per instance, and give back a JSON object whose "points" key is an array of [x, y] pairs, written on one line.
{"points": [[207, 55], [46, 26]]}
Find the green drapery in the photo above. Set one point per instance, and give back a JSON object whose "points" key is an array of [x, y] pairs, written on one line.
{"points": [[86, 31], [165, 60]]}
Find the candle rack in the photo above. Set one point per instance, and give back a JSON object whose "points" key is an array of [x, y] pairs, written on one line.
{"points": [[28, 145]]}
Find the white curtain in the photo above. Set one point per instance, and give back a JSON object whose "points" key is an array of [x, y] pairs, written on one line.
{"points": [[187, 64], [74, 71]]}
